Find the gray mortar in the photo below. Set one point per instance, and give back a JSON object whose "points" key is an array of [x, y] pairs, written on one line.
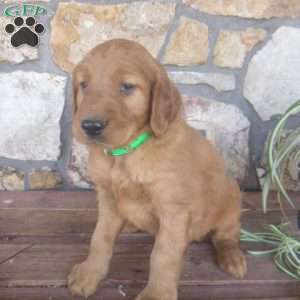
{"points": [[258, 131]]}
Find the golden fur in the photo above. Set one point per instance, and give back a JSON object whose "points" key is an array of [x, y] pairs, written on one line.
{"points": [[174, 186]]}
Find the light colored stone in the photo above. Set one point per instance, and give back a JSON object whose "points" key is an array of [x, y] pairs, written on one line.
{"points": [[233, 46], [30, 112], [258, 9], [77, 27], [226, 126], [10, 54], [44, 178], [189, 44], [272, 80], [78, 166], [11, 180], [221, 82]]}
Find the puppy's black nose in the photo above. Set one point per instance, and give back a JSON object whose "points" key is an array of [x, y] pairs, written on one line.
{"points": [[93, 127]]}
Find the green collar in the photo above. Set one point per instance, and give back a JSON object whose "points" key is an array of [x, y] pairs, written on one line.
{"points": [[135, 144]]}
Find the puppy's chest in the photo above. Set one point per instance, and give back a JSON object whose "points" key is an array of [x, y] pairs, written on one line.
{"points": [[128, 184]]}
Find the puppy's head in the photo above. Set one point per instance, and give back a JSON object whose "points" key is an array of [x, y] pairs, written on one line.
{"points": [[120, 90]]}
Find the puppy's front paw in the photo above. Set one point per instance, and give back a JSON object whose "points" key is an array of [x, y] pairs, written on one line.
{"points": [[83, 279], [233, 261]]}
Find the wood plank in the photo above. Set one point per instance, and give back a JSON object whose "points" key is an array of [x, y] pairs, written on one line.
{"points": [[53, 222], [10, 251], [71, 216], [53, 213], [257, 220], [117, 293], [87, 200], [46, 222], [48, 199], [253, 201], [47, 265]]}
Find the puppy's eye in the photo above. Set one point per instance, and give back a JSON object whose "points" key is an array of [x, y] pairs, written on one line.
{"points": [[83, 85], [126, 88]]}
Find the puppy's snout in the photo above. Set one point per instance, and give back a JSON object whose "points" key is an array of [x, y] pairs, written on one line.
{"points": [[93, 127]]}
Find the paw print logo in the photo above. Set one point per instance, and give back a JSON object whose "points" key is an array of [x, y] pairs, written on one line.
{"points": [[22, 34]]}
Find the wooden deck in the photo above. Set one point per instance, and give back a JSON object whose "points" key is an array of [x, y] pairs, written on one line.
{"points": [[42, 234]]}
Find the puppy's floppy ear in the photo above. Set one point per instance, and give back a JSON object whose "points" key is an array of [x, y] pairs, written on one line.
{"points": [[165, 103], [77, 79], [75, 88]]}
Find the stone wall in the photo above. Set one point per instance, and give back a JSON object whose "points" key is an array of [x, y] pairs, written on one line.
{"points": [[236, 62]]}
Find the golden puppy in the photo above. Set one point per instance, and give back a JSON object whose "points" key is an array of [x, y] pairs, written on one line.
{"points": [[150, 169]]}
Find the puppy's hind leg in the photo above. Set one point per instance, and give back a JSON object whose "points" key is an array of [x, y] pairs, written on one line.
{"points": [[229, 255], [225, 238]]}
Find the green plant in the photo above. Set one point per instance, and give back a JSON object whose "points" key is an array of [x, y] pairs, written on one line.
{"points": [[285, 246], [278, 150]]}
